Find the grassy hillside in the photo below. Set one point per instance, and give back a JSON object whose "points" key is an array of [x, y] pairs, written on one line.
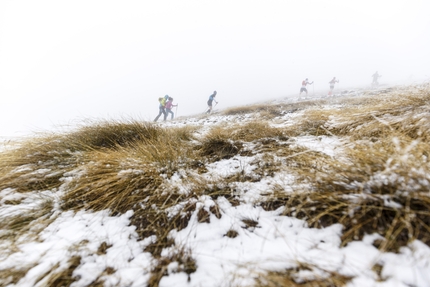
{"points": [[358, 162]]}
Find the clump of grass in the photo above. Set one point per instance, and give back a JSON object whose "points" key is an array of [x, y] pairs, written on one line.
{"points": [[64, 277], [132, 178], [103, 248], [183, 260], [203, 216], [231, 233], [271, 110], [138, 186], [38, 179], [266, 165], [275, 200], [111, 134], [398, 112], [106, 185], [312, 122], [41, 162], [291, 277], [266, 109], [28, 169], [224, 143], [99, 282], [20, 226], [384, 190], [28, 222], [116, 166], [214, 209], [13, 275], [253, 131], [220, 190], [217, 145], [250, 223]]}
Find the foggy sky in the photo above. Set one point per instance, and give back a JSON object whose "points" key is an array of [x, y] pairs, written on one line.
{"points": [[62, 62]]}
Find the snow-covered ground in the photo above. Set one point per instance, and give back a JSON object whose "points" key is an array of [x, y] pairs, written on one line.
{"points": [[276, 243]]}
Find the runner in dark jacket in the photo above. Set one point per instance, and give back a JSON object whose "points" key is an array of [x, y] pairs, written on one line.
{"points": [[211, 99]]}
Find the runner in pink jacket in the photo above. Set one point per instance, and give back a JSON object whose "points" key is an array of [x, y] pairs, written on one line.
{"points": [[169, 105]]}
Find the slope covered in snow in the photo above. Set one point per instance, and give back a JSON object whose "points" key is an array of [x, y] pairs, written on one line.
{"points": [[317, 191]]}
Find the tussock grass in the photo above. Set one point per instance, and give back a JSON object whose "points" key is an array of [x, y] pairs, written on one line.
{"points": [[217, 145], [111, 135], [115, 166], [384, 190], [253, 131], [131, 178], [106, 186], [312, 122], [223, 143], [50, 156]]}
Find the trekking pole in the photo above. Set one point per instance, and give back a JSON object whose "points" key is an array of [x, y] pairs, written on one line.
{"points": [[176, 110]]}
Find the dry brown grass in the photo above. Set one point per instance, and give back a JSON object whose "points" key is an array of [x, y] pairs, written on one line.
{"points": [[13, 275], [396, 110], [269, 111], [402, 112], [64, 277], [25, 224], [181, 256], [19, 227], [381, 183], [266, 109], [384, 190], [226, 142], [253, 131], [312, 122], [116, 166], [56, 154], [291, 278], [131, 178], [110, 135], [217, 145]]}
